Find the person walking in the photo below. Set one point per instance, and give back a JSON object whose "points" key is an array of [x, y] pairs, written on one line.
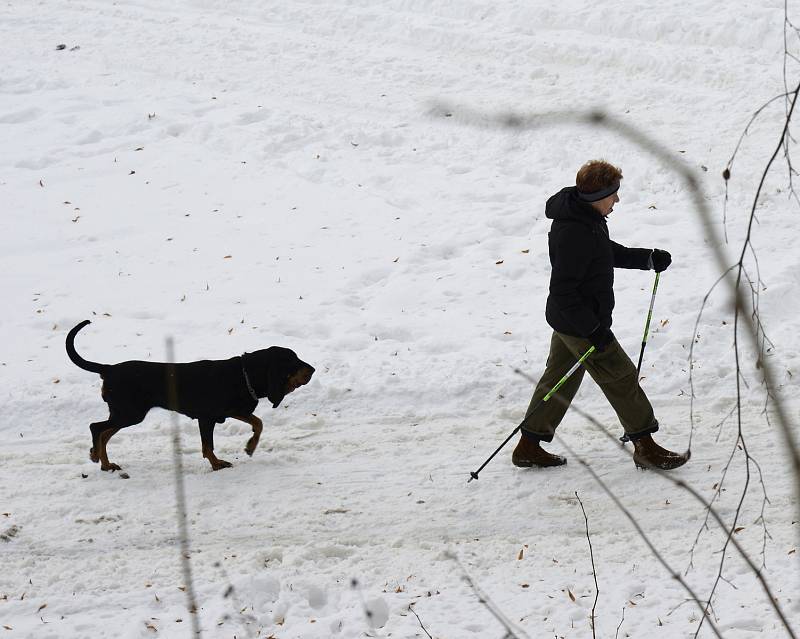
{"points": [[579, 307]]}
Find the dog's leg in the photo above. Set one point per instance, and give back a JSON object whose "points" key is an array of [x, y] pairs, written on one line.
{"points": [[120, 417], [101, 433], [97, 428], [258, 426], [103, 453], [207, 437]]}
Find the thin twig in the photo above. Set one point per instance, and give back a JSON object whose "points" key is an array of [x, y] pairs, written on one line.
{"points": [[616, 634], [511, 631], [691, 350], [180, 493], [411, 608], [594, 571]]}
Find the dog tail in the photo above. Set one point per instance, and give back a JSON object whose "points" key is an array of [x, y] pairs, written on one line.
{"points": [[92, 367]]}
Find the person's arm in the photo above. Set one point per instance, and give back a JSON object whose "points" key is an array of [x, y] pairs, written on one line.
{"points": [[625, 257]]}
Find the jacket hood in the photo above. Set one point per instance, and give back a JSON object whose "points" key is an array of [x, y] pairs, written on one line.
{"points": [[565, 205]]}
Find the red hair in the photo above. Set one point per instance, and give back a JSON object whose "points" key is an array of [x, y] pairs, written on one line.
{"points": [[597, 175]]}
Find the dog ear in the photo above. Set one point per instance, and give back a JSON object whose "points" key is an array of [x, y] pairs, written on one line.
{"points": [[281, 363], [276, 388]]}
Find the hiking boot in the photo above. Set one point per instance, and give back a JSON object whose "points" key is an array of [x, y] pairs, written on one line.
{"points": [[648, 454], [529, 452]]}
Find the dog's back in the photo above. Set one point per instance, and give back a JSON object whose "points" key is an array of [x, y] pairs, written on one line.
{"points": [[206, 388]]}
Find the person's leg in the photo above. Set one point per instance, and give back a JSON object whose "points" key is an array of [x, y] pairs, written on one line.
{"points": [[549, 414], [546, 416], [616, 375]]}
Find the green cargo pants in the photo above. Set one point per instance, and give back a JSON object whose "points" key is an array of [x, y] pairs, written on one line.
{"points": [[614, 373]]}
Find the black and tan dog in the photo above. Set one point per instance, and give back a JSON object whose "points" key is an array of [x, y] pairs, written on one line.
{"points": [[209, 391]]}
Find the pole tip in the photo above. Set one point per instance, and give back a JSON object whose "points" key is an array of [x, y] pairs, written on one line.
{"points": [[473, 475]]}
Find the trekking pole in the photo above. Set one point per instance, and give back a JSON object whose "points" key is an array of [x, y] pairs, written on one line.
{"points": [[474, 475], [647, 325]]}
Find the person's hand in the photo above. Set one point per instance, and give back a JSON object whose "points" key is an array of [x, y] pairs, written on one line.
{"points": [[661, 260], [601, 338]]}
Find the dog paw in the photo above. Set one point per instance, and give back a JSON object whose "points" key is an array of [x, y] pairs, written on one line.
{"points": [[221, 463], [94, 456], [250, 446], [110, 466]]}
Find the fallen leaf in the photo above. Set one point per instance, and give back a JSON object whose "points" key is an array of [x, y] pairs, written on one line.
{"points": [[519, 557], [499, 262], [571, 596], [738, 529], [42, 607]]}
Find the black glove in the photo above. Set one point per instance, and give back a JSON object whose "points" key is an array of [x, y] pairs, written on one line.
{"points": [[661, 260], [600, 338]]}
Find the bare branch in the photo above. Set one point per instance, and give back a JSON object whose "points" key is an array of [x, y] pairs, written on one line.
{"points": [[411, 608], [180, 498], [511, 631], [594, 571]]}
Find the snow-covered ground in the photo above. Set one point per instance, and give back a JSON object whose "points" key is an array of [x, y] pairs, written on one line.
{"points": [[243, 174]]}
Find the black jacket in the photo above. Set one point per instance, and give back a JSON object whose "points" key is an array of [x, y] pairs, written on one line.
{"points": [[583, 258]]}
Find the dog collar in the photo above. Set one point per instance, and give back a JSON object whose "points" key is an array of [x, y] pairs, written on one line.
{"points": [[247, 380]]}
